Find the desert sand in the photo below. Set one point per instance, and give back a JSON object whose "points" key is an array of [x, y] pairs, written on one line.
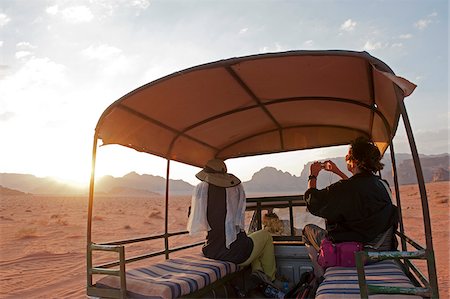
{"points": [[43, 239]]}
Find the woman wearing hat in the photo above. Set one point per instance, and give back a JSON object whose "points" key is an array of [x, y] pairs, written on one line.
{"points": [[218, 208]]}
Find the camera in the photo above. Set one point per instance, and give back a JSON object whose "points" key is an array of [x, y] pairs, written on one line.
{"points": [[326, 165]]}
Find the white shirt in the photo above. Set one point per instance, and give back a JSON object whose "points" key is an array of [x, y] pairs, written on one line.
{"points": [[234, 220]]}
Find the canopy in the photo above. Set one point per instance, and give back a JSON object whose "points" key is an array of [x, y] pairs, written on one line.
{"points": [[259, 104]]}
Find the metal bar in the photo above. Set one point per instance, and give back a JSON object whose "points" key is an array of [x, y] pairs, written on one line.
{"points": [[166, 212], [186, 246], [102, 247], [372, 96], [431, 264], [383, 255], [397, 195], [374, 289], [133, 259], [160, 124], [273, 206], [103, 293], [89, 266], [149, 255], [123, 277], [361, 132], [105, 271], [418, 273], [143, 239], [291, 218], [285, 100], [410, 241], [260, 104], [258, 215], [89, 217], [360, 259], [371, 107], [136, 240], [275, 198]]}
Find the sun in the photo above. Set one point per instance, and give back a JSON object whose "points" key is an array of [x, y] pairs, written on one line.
{"points": [[76, 177], [69, 171]]}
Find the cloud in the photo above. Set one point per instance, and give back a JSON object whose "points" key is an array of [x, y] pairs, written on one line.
{"points": [[397, 45], [142, 4], [276, 48], [4, 19], [22, 54], [25, 46], [1, 43], [425, 22], [243, 30], [77, 14], [7, 115], [34, 73], [348, 25], [107, 8], [112, 60], [52, 10], [428, 141], [33, 93], [309, 43], [3, 71], [101, 52], [371, 46], [406, 36], [422, 24]]}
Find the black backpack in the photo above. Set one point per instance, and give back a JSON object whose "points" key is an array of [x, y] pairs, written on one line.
{"points": [[305, 288]]}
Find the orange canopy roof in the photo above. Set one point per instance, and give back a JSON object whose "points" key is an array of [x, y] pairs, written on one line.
{"points": [[259, 104]]}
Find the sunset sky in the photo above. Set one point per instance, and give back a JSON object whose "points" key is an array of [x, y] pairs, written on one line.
{"points": [[63, 62]]}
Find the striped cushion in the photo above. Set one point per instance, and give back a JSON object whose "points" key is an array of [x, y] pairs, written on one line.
{"points": [[172, 278], [343, 282]]}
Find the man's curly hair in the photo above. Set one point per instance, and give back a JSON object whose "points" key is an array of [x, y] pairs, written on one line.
{"points": [[365, 154]]}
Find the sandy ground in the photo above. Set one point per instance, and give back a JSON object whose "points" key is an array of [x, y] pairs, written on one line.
{"points": [[43, 239]]}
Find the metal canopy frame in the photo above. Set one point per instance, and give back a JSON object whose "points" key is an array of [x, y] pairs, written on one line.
{"points": [[428, 252]]}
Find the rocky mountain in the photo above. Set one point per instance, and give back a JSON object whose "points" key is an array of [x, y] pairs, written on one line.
{"points": [[10, 192], [434, 168], [131, 184], [268, 180], [144, 182], [31, 184], [272, 180]]}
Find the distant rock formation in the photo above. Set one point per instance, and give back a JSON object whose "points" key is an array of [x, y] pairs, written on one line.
{"points": [[144, 182], [132, 184], [440, 174], [432, 167], [268, 180], [10, 192], [130, 192]]}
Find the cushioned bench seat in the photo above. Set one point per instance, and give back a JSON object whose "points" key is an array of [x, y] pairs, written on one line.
{"points": [[342, 282], [172, 278]]}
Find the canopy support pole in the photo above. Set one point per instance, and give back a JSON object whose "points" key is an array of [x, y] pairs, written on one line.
{"points": [[398, 200], [166, 222], [90, 206], [431, 263], [397, 195]]}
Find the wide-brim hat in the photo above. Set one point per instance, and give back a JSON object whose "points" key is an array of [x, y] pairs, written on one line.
{"points": [[215, 173]]}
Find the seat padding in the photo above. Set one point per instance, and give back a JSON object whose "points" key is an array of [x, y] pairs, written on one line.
{"points": [[342, 282], [171, 278]]}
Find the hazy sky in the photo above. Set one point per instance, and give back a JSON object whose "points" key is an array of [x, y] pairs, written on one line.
{"points": [[63, 62]]}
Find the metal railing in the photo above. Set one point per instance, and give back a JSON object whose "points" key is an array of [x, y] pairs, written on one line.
{"points": [[362, 257]]}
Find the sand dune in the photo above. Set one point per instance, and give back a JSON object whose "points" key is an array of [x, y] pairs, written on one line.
{"points": [[43, 239]]}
